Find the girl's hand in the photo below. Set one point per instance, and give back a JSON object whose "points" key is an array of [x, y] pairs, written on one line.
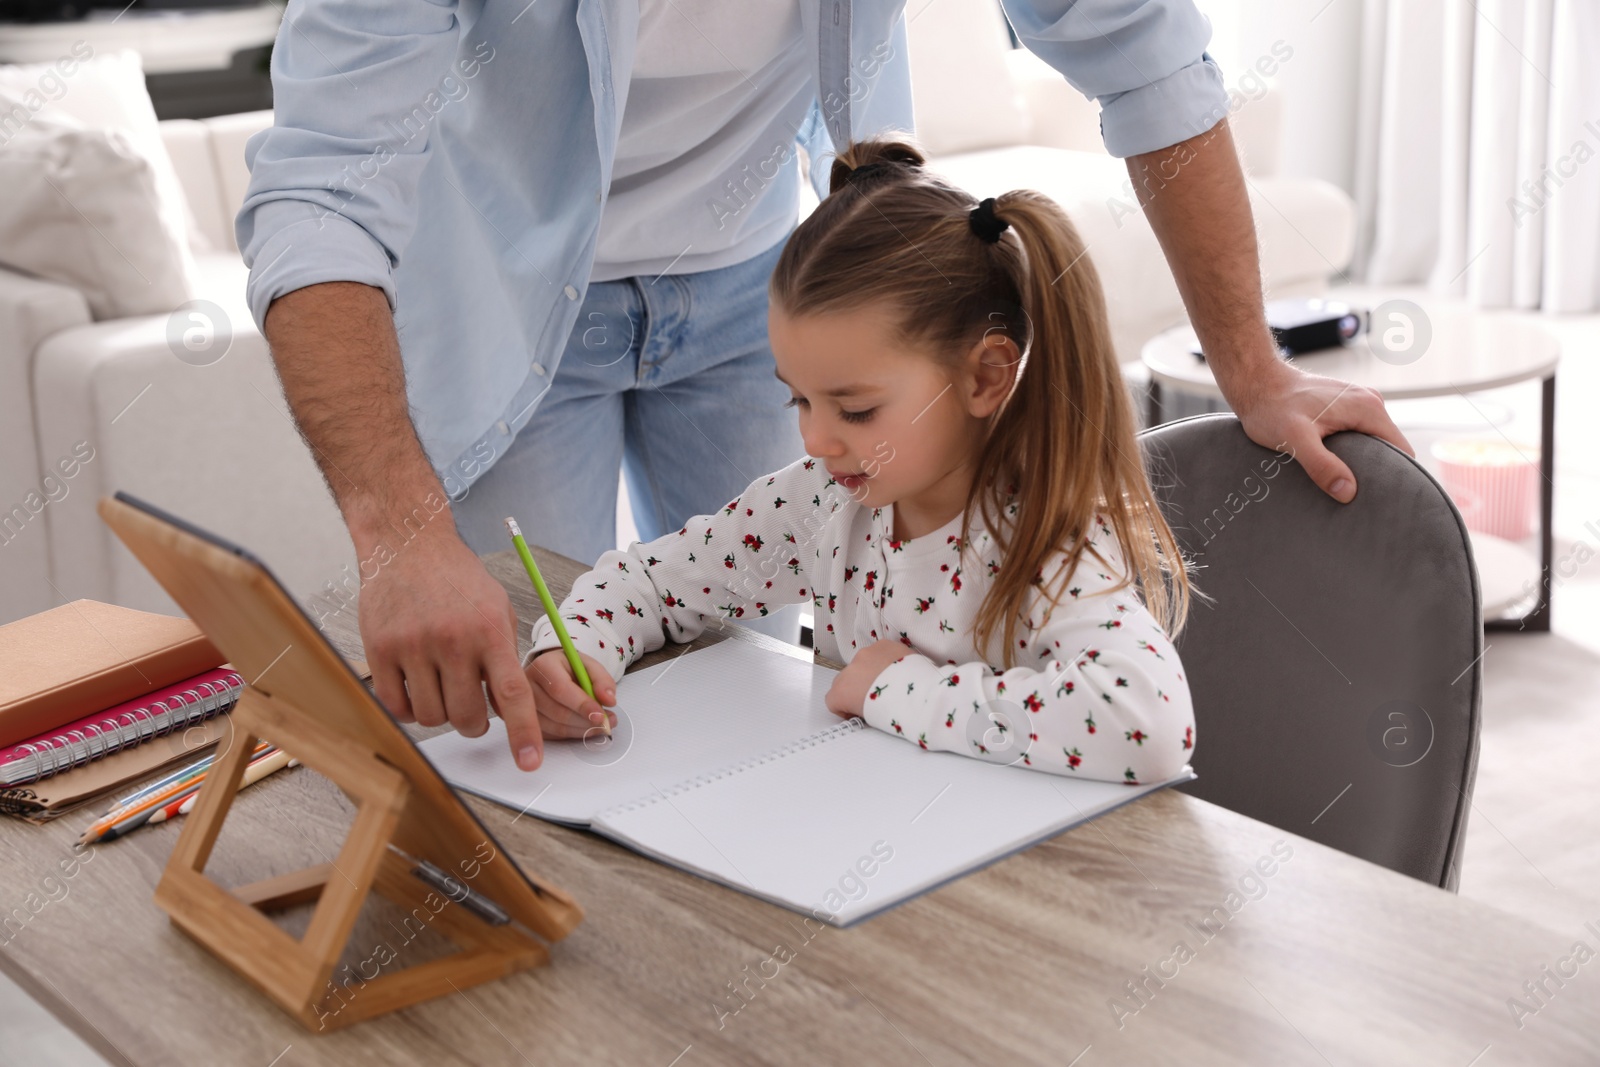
{"points": [[565, 710], [849, 691]]}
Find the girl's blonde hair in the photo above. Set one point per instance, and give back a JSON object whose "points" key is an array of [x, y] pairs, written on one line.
{"points": [[892, 232]]}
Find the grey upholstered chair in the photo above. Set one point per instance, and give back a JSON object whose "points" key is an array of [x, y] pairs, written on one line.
{"points": [[1337, 673]]}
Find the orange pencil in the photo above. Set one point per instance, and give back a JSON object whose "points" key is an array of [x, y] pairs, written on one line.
{"points": [[98, 829], [183, 800]]}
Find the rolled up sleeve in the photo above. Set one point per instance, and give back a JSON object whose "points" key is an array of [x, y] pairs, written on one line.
{"points": [[332, 194], [1145, 62], [297, 248]]}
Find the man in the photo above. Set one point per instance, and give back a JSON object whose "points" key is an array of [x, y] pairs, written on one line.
{"points": [[500, 247]]}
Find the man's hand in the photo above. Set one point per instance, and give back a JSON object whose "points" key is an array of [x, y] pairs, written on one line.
{"points": [[437, 630], [1290, 410], [1194, 195], [848, 694], [436, 627]]}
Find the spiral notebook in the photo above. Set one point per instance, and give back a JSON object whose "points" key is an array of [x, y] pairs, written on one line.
{"points": [[726, 763], [175, 707]]}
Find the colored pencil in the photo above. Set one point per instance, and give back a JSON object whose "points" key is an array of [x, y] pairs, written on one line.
{"points": [[183, 773], [268, 764], [138, 813], [145, 818], [554, 614]]}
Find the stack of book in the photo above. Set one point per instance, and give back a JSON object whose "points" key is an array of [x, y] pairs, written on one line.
{"points": [[93, 696]]}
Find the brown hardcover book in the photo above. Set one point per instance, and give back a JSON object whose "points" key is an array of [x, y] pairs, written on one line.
{"points": [[84, 657]]}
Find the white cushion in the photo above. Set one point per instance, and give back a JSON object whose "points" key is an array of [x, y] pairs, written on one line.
{"points": [[961, 88], [101, 92], [1058, 115], [189, 146], [228, 136], [81, 208]]}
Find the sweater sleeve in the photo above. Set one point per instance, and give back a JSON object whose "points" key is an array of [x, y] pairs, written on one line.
{"points": [[1106, 699], [753, 556]]}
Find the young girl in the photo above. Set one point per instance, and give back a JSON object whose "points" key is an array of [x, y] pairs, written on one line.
{"points": [[972, 513]]}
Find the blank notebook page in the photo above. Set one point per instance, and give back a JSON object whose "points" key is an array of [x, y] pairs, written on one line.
{"points": [[795, 828], [694, 713]]}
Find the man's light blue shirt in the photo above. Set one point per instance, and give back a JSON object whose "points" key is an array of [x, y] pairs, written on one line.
{"points": [[456, 155]]}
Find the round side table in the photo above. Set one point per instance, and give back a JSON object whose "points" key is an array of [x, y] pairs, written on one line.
{"points": [[1425, 347]]}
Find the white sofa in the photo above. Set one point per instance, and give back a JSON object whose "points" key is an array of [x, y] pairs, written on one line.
{"points": [[211, 443], [215, 443]]}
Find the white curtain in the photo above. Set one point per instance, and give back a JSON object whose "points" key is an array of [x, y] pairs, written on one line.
{"points": [[1478, 150]]}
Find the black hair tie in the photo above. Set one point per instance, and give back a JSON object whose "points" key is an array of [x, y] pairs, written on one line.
{"points": [[984, 224], [867, 172]]}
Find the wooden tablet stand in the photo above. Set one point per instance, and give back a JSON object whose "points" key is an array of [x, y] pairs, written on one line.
{"points": [[304, 698]]}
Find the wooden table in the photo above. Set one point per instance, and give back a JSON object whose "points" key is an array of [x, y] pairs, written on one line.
{"points": [[1326, 960]]}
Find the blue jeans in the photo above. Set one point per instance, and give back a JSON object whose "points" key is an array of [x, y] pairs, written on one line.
{"points": [[670, 378]]}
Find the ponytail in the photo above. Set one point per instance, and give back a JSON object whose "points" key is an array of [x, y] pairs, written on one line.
{"points": [[1067, 440]]}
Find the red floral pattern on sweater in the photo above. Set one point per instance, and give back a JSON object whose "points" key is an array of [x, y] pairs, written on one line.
{"points": [[1098, 690]]}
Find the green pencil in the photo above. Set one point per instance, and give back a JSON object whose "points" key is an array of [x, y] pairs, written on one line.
{"points": [[554, 615]]}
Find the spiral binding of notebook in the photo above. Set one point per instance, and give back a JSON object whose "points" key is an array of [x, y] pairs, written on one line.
{"points": [[121, 727]]}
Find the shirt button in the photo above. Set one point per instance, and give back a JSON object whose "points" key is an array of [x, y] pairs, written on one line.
{"points": [[572, 294], [538, 368], [503, 428]]}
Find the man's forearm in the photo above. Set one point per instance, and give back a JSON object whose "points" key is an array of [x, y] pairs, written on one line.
{"points": [[1194, 195], [338, 357]]}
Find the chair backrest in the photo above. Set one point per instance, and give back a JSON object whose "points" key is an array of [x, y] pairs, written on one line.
{"points": [[1336, 673]]}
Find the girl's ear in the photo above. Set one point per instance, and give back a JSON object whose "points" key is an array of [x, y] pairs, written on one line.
{"points": [[991, 370]]}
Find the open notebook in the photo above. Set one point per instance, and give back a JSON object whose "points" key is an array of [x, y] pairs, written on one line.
{"points": [[725, 762]]}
